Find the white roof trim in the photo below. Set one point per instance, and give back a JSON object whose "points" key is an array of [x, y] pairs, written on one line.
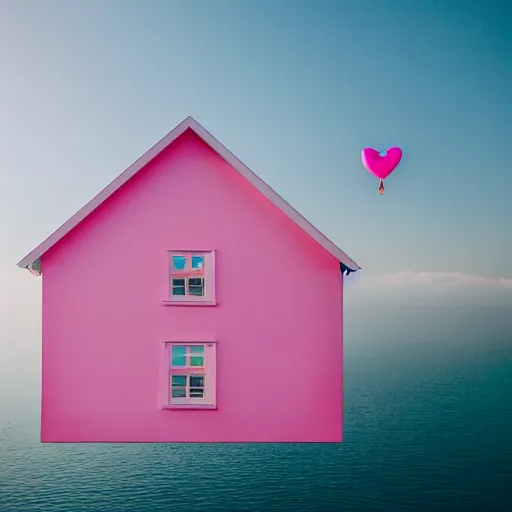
{"points": [[231, 159]]}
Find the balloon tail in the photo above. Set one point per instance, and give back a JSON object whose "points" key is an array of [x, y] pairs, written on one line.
{"points": [[381, 188]]}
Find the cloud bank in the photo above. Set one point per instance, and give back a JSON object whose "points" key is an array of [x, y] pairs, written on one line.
{"points": [[443, 279]]}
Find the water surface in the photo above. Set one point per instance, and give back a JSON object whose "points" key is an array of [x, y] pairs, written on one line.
{"points": [[428, 426]]}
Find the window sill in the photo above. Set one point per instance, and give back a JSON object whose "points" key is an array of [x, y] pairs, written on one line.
{"points": [[188, 303], [190, 406]]}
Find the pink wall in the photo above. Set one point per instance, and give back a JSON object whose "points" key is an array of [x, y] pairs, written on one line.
{"points": [[278, 323]]}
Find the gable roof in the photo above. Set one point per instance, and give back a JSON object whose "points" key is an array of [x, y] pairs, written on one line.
{"points": [[33, 258]]}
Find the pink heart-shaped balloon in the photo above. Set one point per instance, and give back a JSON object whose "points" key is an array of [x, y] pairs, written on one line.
{"points": [[379, 165]]}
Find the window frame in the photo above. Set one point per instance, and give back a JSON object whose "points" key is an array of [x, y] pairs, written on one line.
{"points": [[208, 275], [207, 371]]}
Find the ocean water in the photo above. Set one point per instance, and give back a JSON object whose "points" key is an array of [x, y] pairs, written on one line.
{"points": [[428, 426]]}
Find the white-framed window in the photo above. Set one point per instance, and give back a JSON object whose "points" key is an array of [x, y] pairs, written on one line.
{"points": [[191, 379], [191, 277]]}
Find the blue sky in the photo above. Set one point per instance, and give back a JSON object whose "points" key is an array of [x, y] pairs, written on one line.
{"points": [[296, 90]]}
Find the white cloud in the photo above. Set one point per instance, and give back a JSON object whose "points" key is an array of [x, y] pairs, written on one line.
{"points": [[454, 279]]}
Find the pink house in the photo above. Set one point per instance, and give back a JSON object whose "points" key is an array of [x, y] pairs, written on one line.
{"points": [[188, 302]]}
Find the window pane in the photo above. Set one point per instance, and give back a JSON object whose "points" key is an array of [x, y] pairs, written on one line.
{"points": [[178, 286], [196, 349], [197, 262], [196, 361], [179, 393], [178, 355], [196, 286], [179, 380], [196, 393], [196, 381], [179, 262]]}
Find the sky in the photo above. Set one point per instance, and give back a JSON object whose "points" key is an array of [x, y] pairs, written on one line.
{"points": [[296, 89]]}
